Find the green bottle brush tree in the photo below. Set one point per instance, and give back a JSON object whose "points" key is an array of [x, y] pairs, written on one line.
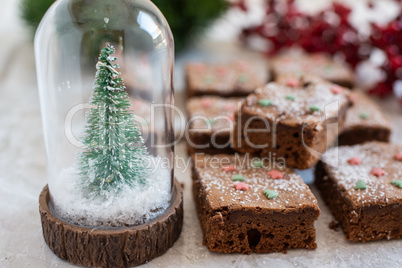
{"points": [[114, 153]]}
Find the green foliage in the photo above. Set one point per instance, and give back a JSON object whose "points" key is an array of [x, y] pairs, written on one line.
{"points": [[114, 153], [186, 18], [32, 11]]}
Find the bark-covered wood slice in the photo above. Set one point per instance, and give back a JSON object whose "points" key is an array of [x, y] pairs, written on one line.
{"points": [[122, 247]]}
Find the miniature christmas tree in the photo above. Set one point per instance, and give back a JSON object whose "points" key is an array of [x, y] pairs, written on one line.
{"points": [[114, 155]]}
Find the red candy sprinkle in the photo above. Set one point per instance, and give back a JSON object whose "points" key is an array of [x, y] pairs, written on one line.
{"points": [[354, 161], [221, 69], [292, 83], [206, 103], [377, 172], [241, 65], [275, 174], [199, 67], [336, 90], [241, 186], [229, 168], [231, 117], [352, 98], [229, 107], [398, 156]]}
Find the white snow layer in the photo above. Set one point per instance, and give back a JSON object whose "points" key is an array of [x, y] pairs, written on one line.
{"points": [[131, 206]]}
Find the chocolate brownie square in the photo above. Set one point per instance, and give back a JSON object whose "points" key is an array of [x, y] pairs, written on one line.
{"points": [[362, 186], [298, 79], [317, 64], [141, 110], [211, 123], [296, 121], [227, 80], [250, 205], [364, 122]]}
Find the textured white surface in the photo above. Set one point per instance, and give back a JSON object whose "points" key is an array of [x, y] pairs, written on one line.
{"points": [[132, 205], [23, 175]]}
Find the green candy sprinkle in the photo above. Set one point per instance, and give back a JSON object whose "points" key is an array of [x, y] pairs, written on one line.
{"points": [[208, 79], [271, 194], [397, 183], [238, 177], [364, 116], [315, 108], [265, 102], [291, 97], [243, 78], [360, 185], [211, 121], [258, 164]]}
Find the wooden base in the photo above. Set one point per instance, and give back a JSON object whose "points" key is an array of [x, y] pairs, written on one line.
{"points": [[118, 247]]}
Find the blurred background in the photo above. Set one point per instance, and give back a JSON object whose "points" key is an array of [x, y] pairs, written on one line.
{"points": [[363, 33]]}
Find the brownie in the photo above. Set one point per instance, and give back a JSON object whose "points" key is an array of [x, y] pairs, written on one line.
{"points": [[362, 186], [298, 79], [142, 116], [317, 64], [234, 79], [364, 122], [244, 207], [211, 123], [296, 122]]}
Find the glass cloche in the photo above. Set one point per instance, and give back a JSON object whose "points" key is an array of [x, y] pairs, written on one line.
{"points": [[105, 74]]}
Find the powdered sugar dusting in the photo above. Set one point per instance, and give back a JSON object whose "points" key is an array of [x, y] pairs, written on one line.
{"points": [[364, 105], [379, 190], [218, 184], [314, 93]]}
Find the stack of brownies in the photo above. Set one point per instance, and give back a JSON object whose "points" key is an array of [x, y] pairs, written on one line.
{"points": [[245, 135]]}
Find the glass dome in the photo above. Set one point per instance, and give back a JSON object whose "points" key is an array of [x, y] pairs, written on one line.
{"points": [[105, 76]]}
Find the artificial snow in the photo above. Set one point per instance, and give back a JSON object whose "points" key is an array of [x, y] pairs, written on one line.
{"points": [[132, 205]]}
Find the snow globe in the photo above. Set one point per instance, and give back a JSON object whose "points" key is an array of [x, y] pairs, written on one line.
{"points": [[105, 77]]}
